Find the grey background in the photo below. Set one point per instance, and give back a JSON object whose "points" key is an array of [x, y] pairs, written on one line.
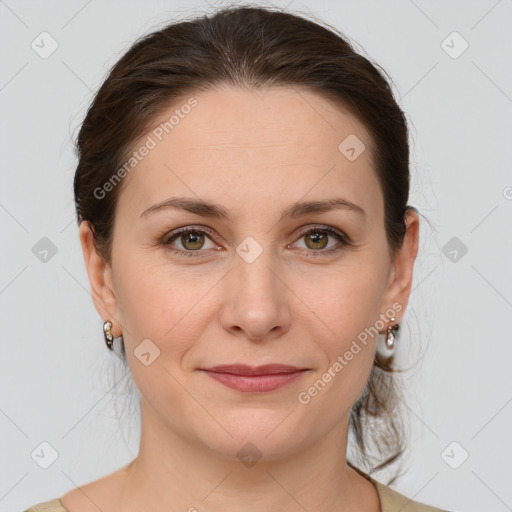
{"points": [[60, 385]]}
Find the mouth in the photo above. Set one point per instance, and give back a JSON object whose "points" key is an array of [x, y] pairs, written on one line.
{"points": [[255, 378]]}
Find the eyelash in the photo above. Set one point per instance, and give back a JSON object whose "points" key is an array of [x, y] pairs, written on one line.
{"points": [[341, 237]]}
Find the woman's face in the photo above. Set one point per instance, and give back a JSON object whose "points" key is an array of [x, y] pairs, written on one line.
{"points": [[264, 284]]}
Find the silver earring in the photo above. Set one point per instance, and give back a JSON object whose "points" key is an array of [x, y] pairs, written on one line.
{"points": [[109, 338], [390, 334]]}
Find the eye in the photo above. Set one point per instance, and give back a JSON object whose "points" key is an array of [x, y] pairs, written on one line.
{"points": [[317, 239], [192, 240]]}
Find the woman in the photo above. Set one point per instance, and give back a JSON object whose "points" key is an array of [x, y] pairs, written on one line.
{"points": [[241, 194]]}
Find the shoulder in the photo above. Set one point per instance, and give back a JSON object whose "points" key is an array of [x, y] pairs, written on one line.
{"points": [[393, 501], [54, 505]]}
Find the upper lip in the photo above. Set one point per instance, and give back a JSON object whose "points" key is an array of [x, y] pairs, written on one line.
{"points": [[243, 369]]}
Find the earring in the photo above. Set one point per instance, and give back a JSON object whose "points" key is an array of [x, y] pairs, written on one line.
{"points": [[390, 336], [109, 338]]}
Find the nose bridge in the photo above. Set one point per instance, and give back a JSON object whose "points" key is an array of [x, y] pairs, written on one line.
{"points": [[254, 271], [256, 303]]}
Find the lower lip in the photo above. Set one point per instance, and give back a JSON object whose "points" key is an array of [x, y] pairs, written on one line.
{"points": [[257, 383]]}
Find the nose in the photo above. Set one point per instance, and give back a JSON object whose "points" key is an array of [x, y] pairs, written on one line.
{"points": [[256, 299]]}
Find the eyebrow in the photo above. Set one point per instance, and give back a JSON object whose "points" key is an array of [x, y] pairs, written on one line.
{"points": [[207, 209]]}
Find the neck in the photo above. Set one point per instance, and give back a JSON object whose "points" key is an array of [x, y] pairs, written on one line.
{"points": [[177, 471]]}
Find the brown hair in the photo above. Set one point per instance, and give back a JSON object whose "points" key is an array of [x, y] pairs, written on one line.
{"points": [[252, 47]]}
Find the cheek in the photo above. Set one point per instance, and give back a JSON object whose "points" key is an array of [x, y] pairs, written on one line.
{"points": [[349, 308], [163, 305], [348, 303], [349, 347]]}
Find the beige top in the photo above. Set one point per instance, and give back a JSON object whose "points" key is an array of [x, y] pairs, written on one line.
{"points": [[390, 500]]}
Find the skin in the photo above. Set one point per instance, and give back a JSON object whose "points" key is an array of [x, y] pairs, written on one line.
{"points": [[255, 153]]}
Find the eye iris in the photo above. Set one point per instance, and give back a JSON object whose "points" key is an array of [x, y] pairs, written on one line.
{"points": [[194, 237], [318, 238]]}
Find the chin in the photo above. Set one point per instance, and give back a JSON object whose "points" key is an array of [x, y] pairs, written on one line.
{"points": [[260, 435]]}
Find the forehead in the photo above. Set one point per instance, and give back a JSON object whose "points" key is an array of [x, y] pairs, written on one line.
{"points": [[241, 145]]}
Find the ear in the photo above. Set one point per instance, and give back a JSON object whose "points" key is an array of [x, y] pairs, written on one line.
{"points": [[101, 281], [401, 274]]}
